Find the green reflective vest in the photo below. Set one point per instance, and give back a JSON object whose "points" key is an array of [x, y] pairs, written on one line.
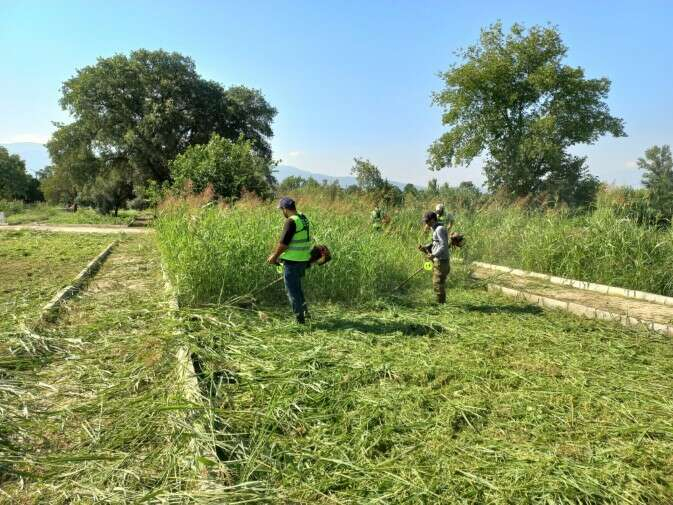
{"points": [[299, 248]]}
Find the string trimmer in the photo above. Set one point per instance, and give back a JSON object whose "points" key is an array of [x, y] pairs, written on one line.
{"points": [[320, 255], [427, 266]]}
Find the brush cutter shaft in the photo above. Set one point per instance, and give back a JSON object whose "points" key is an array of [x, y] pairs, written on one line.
{"points": [[265, 287], [408, 279]]}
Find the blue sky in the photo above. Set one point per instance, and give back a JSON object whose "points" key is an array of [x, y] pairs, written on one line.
{"points": [[348, 78]]}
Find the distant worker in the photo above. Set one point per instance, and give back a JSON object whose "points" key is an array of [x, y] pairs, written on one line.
{"points": [[294, 251], [437, 251], [445, 217], [377, 219]]}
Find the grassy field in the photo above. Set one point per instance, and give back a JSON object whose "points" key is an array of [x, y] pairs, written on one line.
{"points": [[105, 421], [385, 398], [382, 398], [35, 266], [47, 214], [483, 401]]}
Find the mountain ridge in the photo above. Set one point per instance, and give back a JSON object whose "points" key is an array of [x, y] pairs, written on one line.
{"points": [[37, 158]]}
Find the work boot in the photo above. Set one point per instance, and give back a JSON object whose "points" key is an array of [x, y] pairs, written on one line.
{"points": [[300, 319]]}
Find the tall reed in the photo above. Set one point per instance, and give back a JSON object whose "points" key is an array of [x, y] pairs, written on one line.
{"points": [[213, 254]]}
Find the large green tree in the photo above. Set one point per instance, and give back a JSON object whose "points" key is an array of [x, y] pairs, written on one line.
{"points": [[514, 101], [367, 174], [658, 179], [15, 182], [134, 114]]}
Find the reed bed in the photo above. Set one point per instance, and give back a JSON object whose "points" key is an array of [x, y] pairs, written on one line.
{"points": [[214, 254]]}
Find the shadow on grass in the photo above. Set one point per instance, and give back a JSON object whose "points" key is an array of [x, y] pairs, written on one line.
{"points": [[498, 309], [377, 326]]}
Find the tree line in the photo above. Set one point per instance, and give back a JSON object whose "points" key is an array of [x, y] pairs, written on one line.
{"points": [[147, 121]]}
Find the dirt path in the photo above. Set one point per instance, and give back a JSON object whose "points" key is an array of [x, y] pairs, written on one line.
{"points": [[76, 228], [639, 309]]}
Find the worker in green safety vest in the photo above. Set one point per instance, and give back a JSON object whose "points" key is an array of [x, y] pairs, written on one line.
{"points": [[377, 219], [294, 251]]}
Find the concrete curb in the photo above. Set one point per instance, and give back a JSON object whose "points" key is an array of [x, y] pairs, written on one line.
{"points": [[586, 286], [189, 380], [579, 309], [52, 309]]}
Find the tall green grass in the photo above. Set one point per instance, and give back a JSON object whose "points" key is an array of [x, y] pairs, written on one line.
{"points": [[600, 246], [213, 254]]}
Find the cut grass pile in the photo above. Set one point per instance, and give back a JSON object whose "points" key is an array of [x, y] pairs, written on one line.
{"points": [[214, 254], [33, 266], [43, 213], [104, 419], [484, 401]]}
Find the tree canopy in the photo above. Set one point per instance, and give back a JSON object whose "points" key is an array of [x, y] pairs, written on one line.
{"points": [[658, 179], [15, 182], [230, 167], [134, 114], [370, 181], [513, 100]]}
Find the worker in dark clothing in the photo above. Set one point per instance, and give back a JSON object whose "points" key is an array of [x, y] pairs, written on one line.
{"points": [[438, 251], [294, 251]]}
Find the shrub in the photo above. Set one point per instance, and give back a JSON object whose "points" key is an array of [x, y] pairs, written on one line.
{"points": [[231, 168]]}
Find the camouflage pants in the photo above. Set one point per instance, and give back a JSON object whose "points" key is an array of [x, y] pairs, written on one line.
{"points": [[440, 271]]}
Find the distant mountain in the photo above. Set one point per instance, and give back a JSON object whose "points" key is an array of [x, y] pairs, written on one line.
{"points": [[35, 155], [284, 171]]}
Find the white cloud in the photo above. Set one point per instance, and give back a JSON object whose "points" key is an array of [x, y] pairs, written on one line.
{"points": [[295, 154], [631, 164], [37, 138]]}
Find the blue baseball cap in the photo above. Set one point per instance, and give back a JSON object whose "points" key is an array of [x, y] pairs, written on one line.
{"points": [[286, 203]]}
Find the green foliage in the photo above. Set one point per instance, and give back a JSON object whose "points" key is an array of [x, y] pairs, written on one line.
{"points": [[108, 193], [370, 181], [367, 174], [231, 168], [658, 179], [214, 254], [291, 183], [513, 98], [12, 206], [15, 182], [57, 186], [601, 246], [44, 213], [136, 113], [410, 189]]}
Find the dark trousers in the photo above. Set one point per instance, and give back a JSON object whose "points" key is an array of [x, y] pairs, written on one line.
{"points": [[293, 273]]}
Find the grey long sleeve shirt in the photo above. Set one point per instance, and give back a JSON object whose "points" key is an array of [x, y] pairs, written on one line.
{"points": [[439, 247]]}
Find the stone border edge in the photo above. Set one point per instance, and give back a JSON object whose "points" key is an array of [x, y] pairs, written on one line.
{"points": [[51, 310], [586, 286], [188, 378], [579, 309]]}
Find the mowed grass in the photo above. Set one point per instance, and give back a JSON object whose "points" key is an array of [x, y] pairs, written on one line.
{"points": [[48, 214], [481, 401], [100, 414], [33, 266]]}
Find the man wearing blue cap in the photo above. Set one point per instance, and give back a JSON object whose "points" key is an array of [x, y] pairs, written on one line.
{"points": [[294, 250]]}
